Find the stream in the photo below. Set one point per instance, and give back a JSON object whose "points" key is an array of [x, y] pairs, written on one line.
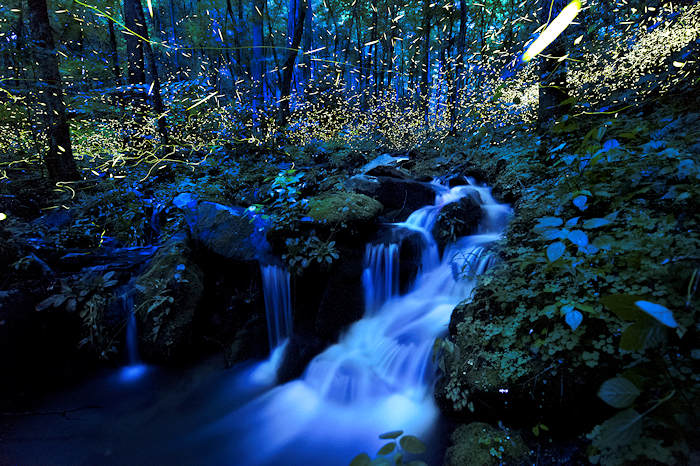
{"points": [[378, 377]]}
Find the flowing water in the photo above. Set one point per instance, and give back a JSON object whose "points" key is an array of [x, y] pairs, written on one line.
{"points": [[378, 377]]}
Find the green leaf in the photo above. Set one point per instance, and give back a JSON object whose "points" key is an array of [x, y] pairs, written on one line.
{"points": [[623, 306], [555, 251], [548, 222], [573, 319], [620, 430], [392, 434], [618, 392], [592, 223], [635, 337], [386, 449], [578, 237], [412, 444], [658, 312], [381, 461], [362, 459]]}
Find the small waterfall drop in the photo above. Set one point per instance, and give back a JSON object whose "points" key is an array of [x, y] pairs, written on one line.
{"points": [[379, 375], [132, 340], [134, 368], [278, 304], [380, 277]]}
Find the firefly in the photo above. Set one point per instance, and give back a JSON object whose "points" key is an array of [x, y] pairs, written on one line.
{"points": [[552, 31]]}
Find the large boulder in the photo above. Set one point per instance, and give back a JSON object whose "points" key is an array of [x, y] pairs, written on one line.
{"points": [[399, 196], [480, 444], [344, 208], [167, 296], [232, 232], [458, 219]]}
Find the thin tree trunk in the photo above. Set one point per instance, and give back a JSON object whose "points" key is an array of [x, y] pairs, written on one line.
{"points": [[173, 39], [552, 92], [285, 86], [59, 157], [258, 64], [139, 19], [134, 43], [113, 52], [425, 71]]}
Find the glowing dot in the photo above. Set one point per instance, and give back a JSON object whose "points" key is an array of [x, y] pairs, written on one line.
{"points": [[2, 216], [553, 31]]}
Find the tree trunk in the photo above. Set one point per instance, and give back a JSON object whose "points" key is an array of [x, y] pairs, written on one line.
{"points": [[134, 43], [552, 91], [258, 64], [173, 40], [153, 70], [59, 157], [286, 84], [425, 71], [113, 53]]}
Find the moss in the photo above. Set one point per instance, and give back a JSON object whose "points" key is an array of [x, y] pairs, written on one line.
{"points": [[480, 444], [344, 207]]}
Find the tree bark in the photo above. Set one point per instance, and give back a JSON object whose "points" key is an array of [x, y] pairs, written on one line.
{"points": [[59, 157], [134, 44], [258, 63], [425, 65], [552, 91], [153, 70], [113, 52], [285, 86]]}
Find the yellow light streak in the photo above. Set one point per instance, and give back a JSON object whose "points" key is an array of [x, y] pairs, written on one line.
{"points": [[553, 31]]}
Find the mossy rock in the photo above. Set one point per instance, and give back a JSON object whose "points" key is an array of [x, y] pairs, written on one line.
{"points": [[168, 294], [344, 208], [480, 444]]}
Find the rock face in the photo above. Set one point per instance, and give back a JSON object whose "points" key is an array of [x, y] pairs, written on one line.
{"points": [[458, 219], [480, 444], [399, 196], [231, 232], [344, 208], [167, 296]]}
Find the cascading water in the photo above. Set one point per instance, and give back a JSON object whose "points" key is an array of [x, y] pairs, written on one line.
{"points": [[132, 340], [380, 277], [278, 304], [278, 312], [379, 376]]}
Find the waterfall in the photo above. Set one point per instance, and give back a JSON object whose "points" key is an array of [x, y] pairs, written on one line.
{"points": [[380, 277], [378, 377], [134, 368], [132, 340], [278, 304]]}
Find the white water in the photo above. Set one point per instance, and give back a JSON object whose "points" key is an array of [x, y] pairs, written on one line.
{"points": [[379, 376], [278, 304]]}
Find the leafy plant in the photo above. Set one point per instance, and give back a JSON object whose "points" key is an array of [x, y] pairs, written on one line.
{"points": [[394, 451]]}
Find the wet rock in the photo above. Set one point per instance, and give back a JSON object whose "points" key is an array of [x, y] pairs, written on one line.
{"points": [[342, 302], [344, 208], [168, 293], [300, 350], [231, 232], [458, 219], [400, 197], [386, 160], [480, 444], [391, 172]]}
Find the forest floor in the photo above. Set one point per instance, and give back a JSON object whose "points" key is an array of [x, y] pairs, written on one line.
{"points": [[606, 216]]}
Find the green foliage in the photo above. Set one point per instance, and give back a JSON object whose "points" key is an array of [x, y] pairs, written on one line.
{"points": [[88, 295], [302, 252], [394, 452], [598, 275]]}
